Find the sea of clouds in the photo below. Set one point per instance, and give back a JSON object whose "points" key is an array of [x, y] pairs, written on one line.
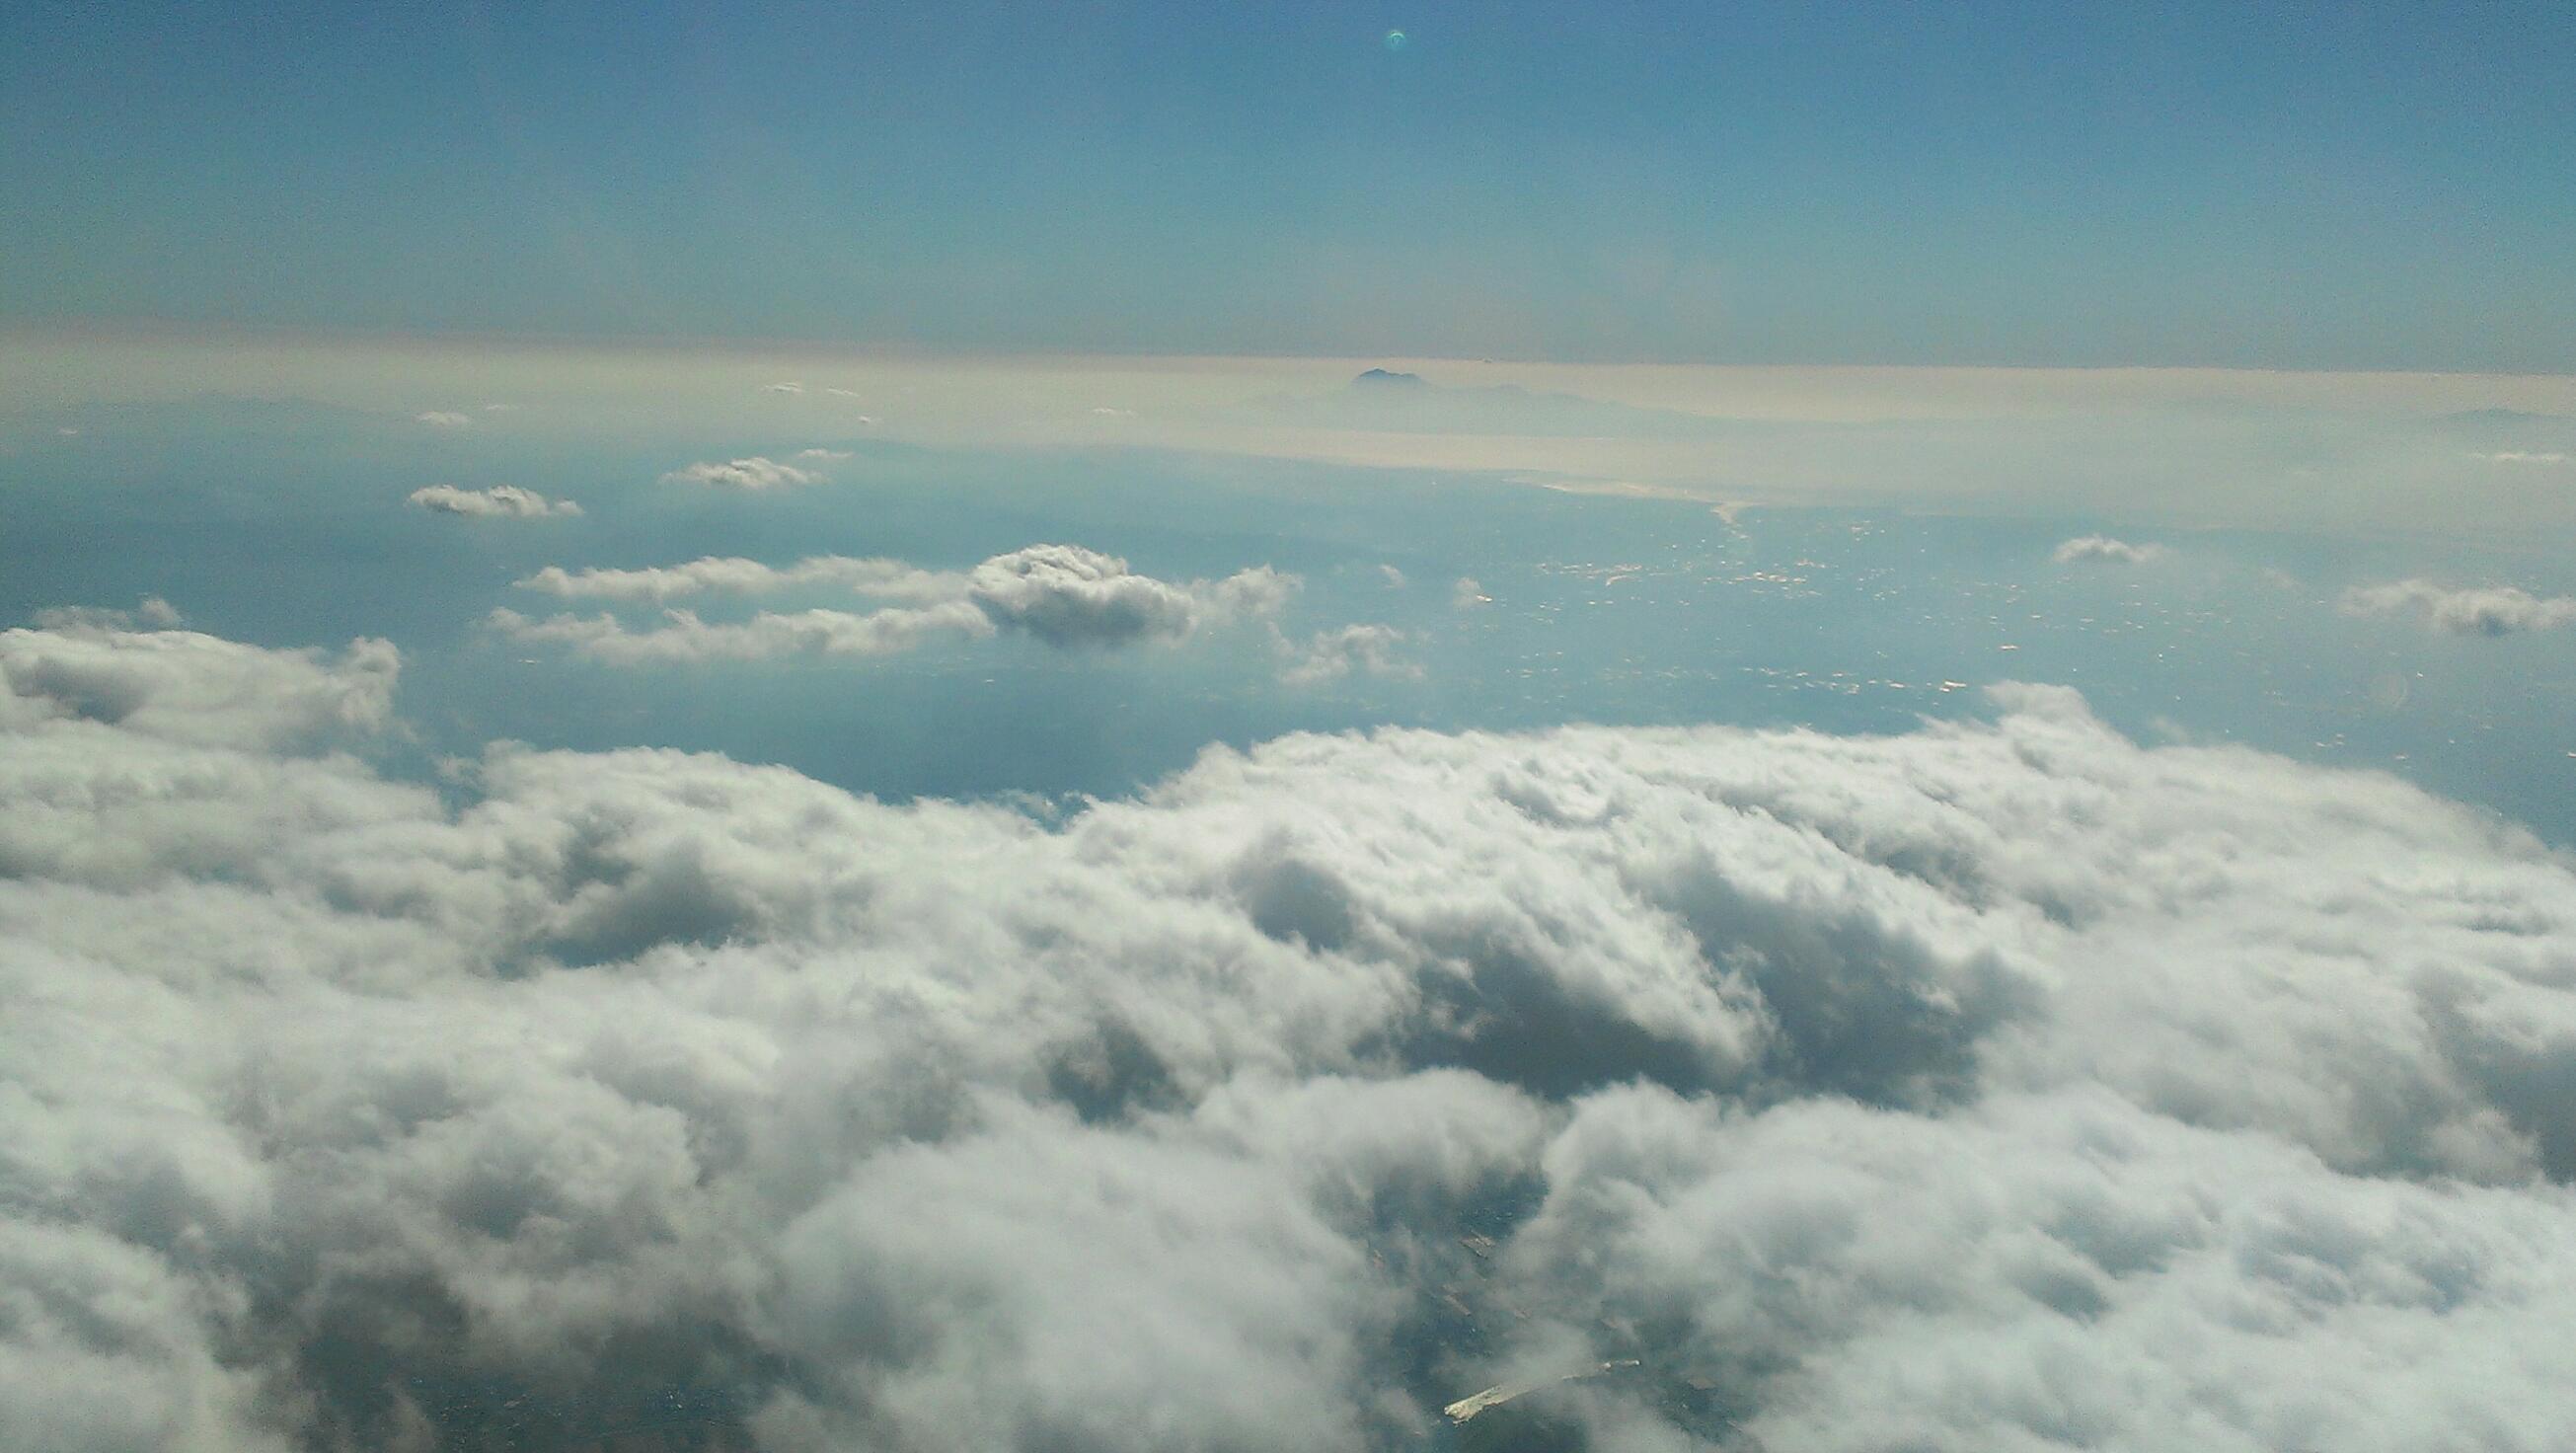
{"points": [[1995, 1086]]}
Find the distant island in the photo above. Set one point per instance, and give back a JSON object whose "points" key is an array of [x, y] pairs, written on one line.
{"points": [[1388, 378]]}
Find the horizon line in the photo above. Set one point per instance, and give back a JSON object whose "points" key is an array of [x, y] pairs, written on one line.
{"points": [[171, 330]]}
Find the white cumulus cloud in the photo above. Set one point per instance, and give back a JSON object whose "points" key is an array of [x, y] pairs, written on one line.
{"points": [[185, 686], [2000, 1084], [1066, 595]]}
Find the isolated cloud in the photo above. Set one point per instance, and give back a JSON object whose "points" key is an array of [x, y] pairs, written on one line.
{"points": [[501, 501], [1998, 1085], [2521, 456], [1066, 595], [1466, 594], [2494, 610], [1370, 650], [789, 387], [2103, 550], [444, 419]]}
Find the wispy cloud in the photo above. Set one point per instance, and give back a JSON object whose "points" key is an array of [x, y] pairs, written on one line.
{"points": [[683, 637], [444, 419], [2522, 456], [501, 501], [152, 613], [1064, 595], [758, 472], [734, 575], [2103, 550], [1369, 650], [2489, 610]]}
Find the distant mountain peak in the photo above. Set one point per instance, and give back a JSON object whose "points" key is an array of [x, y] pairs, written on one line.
{"points": [[1382, 378]]}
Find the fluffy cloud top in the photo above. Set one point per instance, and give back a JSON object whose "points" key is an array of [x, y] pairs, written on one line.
{"points": [[1999, 1085], [183, 686], [1066, 595], [501, 501], [2492, 610], [2103, 550]]}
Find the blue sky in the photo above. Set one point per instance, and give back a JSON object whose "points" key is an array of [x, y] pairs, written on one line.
{"points": [[2268, 186]]}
